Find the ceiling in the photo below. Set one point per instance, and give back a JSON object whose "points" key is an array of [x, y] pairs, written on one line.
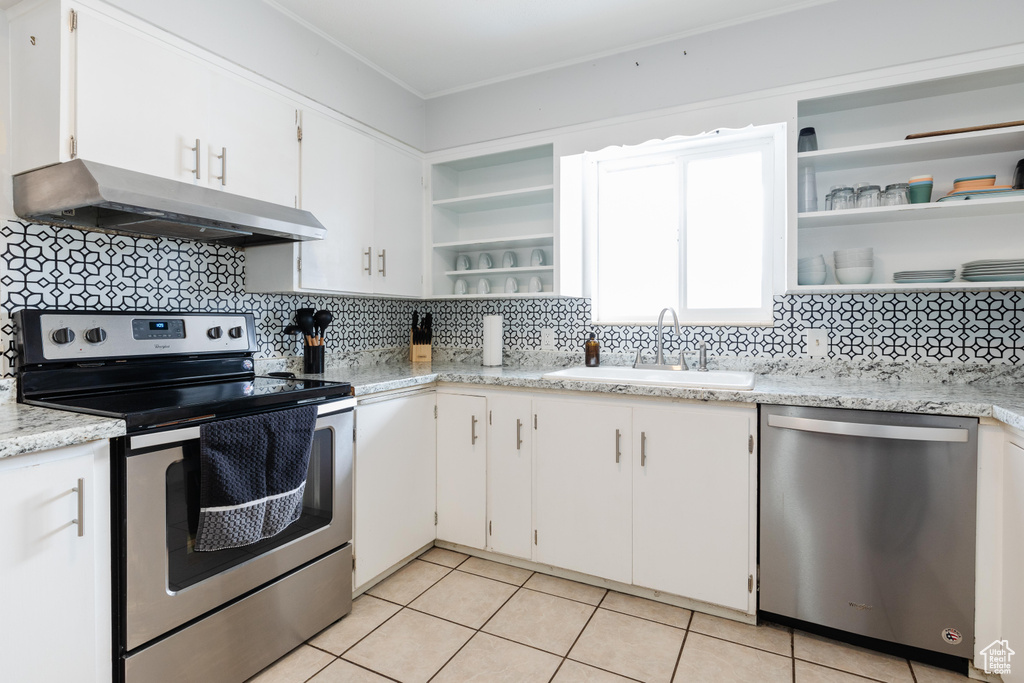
{"points": [[435, 47]]}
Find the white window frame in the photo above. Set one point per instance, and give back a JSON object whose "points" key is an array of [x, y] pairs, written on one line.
{"points": [[770, 140]]}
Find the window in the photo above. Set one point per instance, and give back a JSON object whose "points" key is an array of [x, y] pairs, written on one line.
{"points": [[688, 223]]}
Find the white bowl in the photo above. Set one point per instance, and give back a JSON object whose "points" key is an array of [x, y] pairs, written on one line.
{"points": [[854, 276], [811, 278], [855, 264], [811, 271]]}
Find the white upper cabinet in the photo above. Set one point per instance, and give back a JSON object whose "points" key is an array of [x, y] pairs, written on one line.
{"points": [[139, 104], [398, 222], [337, 188], [252, 146]]}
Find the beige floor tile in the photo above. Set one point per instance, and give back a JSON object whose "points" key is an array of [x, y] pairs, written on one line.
{"points": [[712, 660], [495, 570], [295, 667], [443, 556], [849, 658], [772, 638], [646, 609], [574, 672], [629, 646], [813, 673], [407, 583], [930, 674], [464, 598], [487, 659], [410, 647], [346, 672], [564, 588], [540, 620], [367, 614]]}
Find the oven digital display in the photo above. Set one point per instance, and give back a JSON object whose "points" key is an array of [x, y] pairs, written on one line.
{"points": [[158, 329]]}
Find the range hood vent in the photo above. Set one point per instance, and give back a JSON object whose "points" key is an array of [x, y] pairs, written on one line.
{"points": [[85, 194]]}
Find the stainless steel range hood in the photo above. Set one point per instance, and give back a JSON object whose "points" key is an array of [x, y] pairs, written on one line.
{"points": [[92, 196]]}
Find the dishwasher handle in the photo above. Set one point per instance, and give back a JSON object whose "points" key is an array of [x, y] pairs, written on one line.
{"points": [[876, 431]]}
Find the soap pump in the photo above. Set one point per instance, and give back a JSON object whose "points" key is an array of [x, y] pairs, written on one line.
{"points": [[593, 351]]}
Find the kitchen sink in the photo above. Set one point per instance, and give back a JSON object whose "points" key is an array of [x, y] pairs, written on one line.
{"points": [[712, 379]]}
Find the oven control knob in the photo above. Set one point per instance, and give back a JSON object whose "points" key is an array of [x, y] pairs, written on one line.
{"points": [[214, 333], [235, 332], [96, 335], [63, 336]]}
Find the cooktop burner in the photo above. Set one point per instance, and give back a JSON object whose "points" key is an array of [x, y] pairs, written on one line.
{"points": [[152, 369]]}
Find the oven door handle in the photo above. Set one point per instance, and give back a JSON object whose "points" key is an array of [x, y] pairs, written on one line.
{"points": [[192, 433]]}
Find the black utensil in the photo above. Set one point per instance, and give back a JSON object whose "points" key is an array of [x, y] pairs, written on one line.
{"points": [[305, 323], [323, 319]]}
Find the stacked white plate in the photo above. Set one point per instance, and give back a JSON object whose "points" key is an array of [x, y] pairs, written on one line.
{"points": [[998, 270], [920, 276], [854, 266], [811, 270]]}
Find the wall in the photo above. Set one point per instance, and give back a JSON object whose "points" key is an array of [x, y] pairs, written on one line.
{"points": [[822, 41], [47, 267], [258, 37]]}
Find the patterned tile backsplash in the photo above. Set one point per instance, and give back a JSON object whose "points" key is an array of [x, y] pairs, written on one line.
{"points": [[48, 267]]}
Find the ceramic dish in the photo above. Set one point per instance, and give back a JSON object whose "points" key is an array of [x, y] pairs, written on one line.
{"points": [[508, 259]]}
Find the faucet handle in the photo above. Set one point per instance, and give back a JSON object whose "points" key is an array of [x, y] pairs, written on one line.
{"points": [[636, 359]]}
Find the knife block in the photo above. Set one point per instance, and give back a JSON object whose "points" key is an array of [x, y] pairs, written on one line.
{"points": [[418, 353]]}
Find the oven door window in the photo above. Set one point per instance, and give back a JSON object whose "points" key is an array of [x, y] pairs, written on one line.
{"points": [[186, 567]]}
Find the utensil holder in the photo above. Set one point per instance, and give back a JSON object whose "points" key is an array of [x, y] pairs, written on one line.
{"points": [[418, 353], [313, 360]]}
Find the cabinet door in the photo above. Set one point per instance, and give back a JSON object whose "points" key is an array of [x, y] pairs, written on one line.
{"points": [[582, 493], [394, 470], [509, 467], [692, 499], [1013, 546], [139, 104], [54, 581], [337, 187], [398, 223], [253, 145], [462, 469]]}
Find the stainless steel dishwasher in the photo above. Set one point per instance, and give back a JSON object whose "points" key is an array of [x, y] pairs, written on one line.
{"points": [[868, 523]]}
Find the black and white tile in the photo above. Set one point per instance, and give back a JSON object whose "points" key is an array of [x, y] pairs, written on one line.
{"points": [[48, 267]]}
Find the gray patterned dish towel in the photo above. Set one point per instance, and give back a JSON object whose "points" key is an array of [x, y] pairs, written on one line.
{"points": [[252, 476]]}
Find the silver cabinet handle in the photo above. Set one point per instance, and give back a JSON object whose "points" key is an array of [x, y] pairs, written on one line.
{"points": [[618, 451], [369, 260], [876, 431], [80, 489], [197, 171], [223, 156], [519, 435], [643, 449], [383, 262], [472, 429]]}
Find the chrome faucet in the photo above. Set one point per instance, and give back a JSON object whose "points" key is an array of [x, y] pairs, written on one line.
{"points": [[659, 362], [703, 357]]}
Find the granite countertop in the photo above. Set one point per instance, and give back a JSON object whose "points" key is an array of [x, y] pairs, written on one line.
{"points": [[1000, 401], [27, 429]]}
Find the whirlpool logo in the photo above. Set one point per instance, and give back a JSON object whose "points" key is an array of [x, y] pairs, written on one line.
{"points": [[161, 346], [861, 606]]}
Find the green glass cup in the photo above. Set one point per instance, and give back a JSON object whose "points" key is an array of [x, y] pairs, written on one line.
{"points": [[921, 194]]}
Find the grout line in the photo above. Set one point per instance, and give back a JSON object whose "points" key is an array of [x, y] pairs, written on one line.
{"points": [[593, 666], [582, 602], [749, 647], [826, 666], [484, 576], [679, 657], [317, 672], [653, 621], [792, 653], [372, 630]]}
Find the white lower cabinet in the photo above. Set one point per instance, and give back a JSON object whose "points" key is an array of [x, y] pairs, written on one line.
{"points": [[1013, 552], [693, 477], [583, 487], [55, 581], [394, 477], [462, 469], [509, 474]]}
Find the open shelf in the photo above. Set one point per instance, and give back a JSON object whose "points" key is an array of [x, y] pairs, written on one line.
{"points": [[995, 141], [507, 199], [994, 206], [954, 286], [544, 240], [497, 295]]}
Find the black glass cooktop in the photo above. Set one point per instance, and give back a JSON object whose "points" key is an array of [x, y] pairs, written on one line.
{"points": [[163, 406]]}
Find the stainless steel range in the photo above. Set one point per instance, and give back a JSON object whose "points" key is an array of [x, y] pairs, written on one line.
{"points": [[183, 615]]}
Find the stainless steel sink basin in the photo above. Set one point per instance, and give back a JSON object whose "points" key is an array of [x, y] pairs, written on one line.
{"points": [[712, 379]]}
